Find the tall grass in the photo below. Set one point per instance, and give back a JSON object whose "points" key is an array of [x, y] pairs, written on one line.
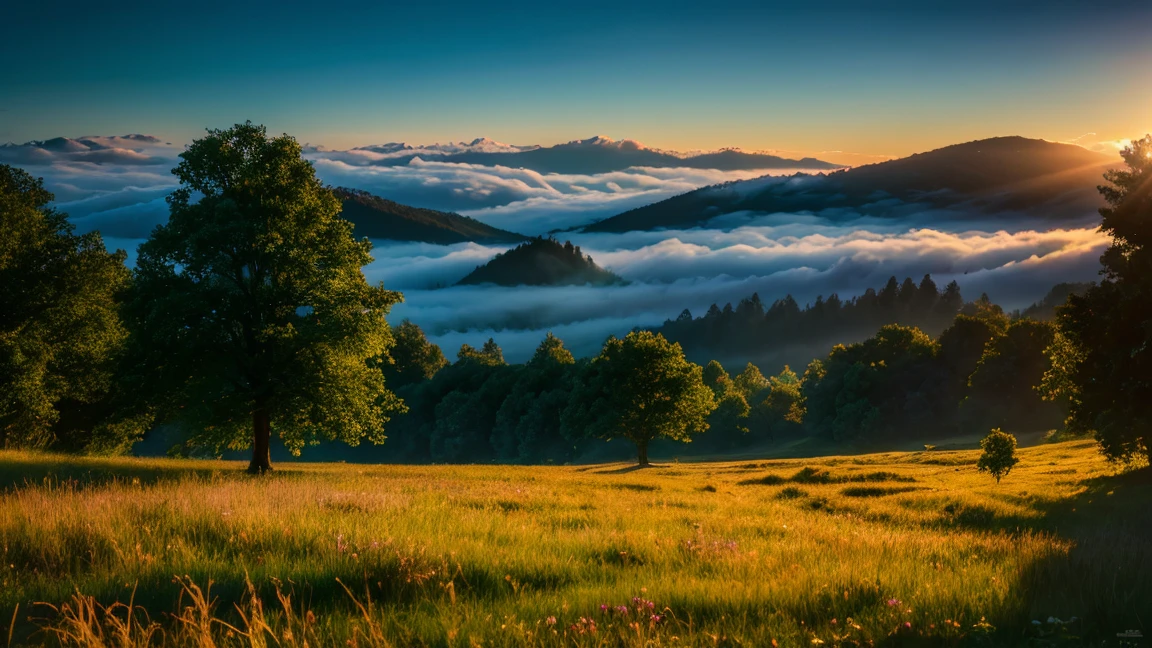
{"points": [[900, 548]]}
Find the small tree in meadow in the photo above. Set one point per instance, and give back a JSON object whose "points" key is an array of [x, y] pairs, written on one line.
{"points": [[999, 454], [640, 388]]}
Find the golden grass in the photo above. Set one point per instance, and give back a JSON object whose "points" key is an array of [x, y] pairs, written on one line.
{"points": [[896, 548]]}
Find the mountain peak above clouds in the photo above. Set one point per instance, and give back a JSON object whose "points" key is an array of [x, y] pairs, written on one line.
{"points": [[131, 149], [597, 154]]}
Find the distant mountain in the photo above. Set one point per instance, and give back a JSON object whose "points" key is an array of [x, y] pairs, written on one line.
{"points": [[986, 176], [541, 262], [594, 155], [378, 218]]}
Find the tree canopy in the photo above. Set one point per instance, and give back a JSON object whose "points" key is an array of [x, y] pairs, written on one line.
{"points": [[60, 328], [1102, 357], [641, 388], [250, 312]]}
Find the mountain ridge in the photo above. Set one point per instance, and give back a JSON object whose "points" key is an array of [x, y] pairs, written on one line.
{"points": [[380, 218], [983, 176], [598, 154]]}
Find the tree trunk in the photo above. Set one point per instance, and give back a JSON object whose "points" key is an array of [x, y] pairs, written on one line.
{"points": [[261, 443], [642, 452]]}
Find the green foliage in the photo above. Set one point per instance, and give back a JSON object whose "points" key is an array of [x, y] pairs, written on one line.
{"points": [[528, 423], [490, 354], [1102, 358], [782, 410], [1002, 388], [250, 312], [998, 455], [716, 378], [551, 352], [640, 388], [887, 386], [61, 335], [413, 357], [750, 381]]}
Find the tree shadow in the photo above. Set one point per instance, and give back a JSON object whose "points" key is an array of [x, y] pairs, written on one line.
{"points": [[24, 469], [627, 469], [1103, 578]]}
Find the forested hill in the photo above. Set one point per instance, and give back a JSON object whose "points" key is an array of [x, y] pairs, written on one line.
{"points": [[379, 218], [541, 262], [994, 175]]}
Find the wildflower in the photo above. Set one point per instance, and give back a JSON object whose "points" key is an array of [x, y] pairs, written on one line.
{"points": [[622, 609], [893, 602], [908, 624], [604, 607], [550, 621], [656, 618]]}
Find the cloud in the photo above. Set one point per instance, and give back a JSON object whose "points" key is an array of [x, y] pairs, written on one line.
{"points": [[115, 184], [692, 269], [118, 185], [521, 200]]}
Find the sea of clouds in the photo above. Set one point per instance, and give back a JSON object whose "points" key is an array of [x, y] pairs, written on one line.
{"points": [[117, 185]]}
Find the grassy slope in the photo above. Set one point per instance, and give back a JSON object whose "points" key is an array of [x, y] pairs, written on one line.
{"points": [[737, 553]]}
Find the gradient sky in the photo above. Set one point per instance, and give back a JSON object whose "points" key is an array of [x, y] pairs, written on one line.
{"points": [[891, 79]]}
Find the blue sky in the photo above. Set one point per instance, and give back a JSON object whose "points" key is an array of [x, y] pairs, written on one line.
{"points": [[889, 79]]}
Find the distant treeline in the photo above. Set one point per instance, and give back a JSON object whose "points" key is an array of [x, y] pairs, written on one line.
{"points": [[775, 332], [898, 385]]}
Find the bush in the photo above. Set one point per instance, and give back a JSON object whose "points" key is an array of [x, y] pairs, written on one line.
{"points": [[999, 454]]}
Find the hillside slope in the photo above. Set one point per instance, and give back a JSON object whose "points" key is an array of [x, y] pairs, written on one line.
{"points": [[981, 177], [379, 218]]}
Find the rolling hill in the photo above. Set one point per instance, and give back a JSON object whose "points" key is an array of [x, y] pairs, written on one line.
{"points": [[981, 177], [541, 262], [379, 218]]}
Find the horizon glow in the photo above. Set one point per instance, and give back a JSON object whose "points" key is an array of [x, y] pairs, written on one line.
{"points": [[846, 85]]}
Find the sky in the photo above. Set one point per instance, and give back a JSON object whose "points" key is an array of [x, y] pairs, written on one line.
{"points": [[847, 82]]}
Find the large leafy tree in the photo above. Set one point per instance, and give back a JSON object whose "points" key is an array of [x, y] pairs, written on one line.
{"points": [[640, 388], [60, 329], [1102, 357], [250, 312]]}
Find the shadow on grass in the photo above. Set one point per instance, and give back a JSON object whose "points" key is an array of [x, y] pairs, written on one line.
{"points": [[626, 469], [1105, 579], [21, 469]]}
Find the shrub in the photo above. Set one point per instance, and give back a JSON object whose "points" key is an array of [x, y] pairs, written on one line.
{"points": [[999, 454]]}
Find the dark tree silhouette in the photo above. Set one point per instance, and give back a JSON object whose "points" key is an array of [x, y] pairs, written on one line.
{"points": [[1102, 357]]}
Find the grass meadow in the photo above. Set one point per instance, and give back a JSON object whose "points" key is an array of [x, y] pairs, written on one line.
{"points": [[884, 549]]}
